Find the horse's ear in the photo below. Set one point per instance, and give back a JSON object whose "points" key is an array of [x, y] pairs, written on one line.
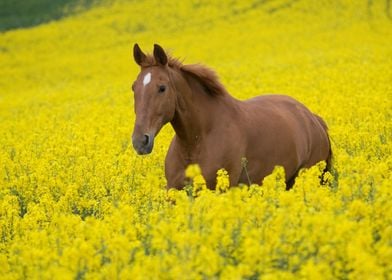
{"points": [[138, 55], [160, 55]]}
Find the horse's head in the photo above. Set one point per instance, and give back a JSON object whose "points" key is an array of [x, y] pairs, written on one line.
{"points": [[154, 98]]}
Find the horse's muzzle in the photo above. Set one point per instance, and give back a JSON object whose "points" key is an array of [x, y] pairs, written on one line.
{"points": [[143, 144]]}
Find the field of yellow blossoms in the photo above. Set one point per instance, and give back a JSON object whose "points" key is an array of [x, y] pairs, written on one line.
{"points": [[76, 202]]}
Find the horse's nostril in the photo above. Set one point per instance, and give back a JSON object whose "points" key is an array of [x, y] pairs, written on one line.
{"points": [[146, 139]]}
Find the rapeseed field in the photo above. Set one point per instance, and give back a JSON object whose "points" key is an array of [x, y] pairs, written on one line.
{"points": [[76, 201]]}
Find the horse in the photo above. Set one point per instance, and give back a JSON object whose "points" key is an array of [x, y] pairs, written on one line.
{"points": [[215, 130]]}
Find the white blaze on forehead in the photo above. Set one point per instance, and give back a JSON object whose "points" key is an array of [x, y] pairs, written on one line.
{"points": [[147, 79]]}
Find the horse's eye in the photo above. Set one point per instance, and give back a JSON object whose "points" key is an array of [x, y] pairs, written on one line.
{"points": [[161, 89]]}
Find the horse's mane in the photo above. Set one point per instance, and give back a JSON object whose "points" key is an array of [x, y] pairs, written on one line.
{"points": [[206, 76]]}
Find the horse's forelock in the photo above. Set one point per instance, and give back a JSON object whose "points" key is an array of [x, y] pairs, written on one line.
{"points": [[172, 62]]}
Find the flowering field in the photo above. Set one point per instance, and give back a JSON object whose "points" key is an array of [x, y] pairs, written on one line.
{"points": [[76, 202]]}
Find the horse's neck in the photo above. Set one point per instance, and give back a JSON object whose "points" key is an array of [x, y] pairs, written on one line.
{"points": [[196, 111]]}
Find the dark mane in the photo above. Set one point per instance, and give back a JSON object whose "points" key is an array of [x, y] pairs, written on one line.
{"points": [[206, 76]]}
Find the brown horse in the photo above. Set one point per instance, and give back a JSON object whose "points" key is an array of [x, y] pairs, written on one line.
{"points": [[215, 130]]}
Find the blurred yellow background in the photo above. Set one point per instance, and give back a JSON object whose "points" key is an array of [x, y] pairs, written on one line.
{"points": [[77, 202]]}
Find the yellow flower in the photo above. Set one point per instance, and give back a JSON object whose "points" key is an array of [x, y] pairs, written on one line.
{"points": [[222, 181], [76, 201]]}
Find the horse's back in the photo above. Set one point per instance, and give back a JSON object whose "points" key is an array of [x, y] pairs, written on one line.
{"points": [[283, 131]]}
